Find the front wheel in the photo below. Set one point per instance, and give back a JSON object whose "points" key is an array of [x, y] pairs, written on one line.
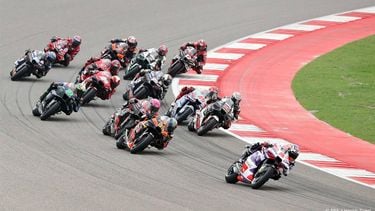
{"points": [[15, 75], [141, 143], [231, 176], [184, 115], [52, 109], [88, 96], [176, 68], [209, 125], [120, 143], [131, 72], [262, 176], [141, 93]]}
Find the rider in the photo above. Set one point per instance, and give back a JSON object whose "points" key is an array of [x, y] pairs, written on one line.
{"points": [[164, 80], [70, 45], [74, 105], [95, 64], [150, 109], [236, 99], [110, 88], [130, 47], [46, 59], [201, 47], [167, 126], [257, 153], [158, 55]]}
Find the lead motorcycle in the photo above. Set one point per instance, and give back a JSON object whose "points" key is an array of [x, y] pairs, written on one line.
{"points": [[26, 65], [186, 106], [211, 117], [185, 60], [146, 86], [150, 135], [57, 100], [270, 168]]}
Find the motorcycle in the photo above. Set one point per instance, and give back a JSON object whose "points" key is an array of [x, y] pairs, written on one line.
{"points": [[26, 65], [128, 121], [185, 108], [215, 115], [62, 56], [59, 99], [150, 135], [184, 61], [143, 60], [270, 168], [146, 86], [94, 87], [114, 51]]}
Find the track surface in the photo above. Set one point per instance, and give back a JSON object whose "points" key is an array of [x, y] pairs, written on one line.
{"points": [[66, 163]]}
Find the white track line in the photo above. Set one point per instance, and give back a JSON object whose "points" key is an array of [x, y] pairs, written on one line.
{"points": [[215, 66], [271, 36], [302, 27], [231, 56], [337, 18], [248, 46]]}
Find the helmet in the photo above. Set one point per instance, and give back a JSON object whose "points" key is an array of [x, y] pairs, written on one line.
{"points": [[167, 79], [163, 50], [50, 56], [201, 45], [132, 42], [76, 41], [236, 97], [170, 123], [293, 152], [213, 93], [115, 67], [115, 81], [155, 105]]}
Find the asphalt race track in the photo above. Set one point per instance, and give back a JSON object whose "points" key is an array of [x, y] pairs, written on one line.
{"points": [[66, 163]]}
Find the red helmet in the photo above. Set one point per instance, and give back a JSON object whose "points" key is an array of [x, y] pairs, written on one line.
{"points": [[115, 81], [115, 67], [163, 50], [201, 45], [76, 41], [132, 42]]}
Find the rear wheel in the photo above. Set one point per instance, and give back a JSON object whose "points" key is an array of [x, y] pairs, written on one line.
{"points": [[176, 68], [50, 110], [210, 124]]}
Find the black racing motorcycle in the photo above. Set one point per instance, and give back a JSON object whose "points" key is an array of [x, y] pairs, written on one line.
{"points": [[146, 86], [57, 100], [185, 60], [213, 116], [26, 65]]}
